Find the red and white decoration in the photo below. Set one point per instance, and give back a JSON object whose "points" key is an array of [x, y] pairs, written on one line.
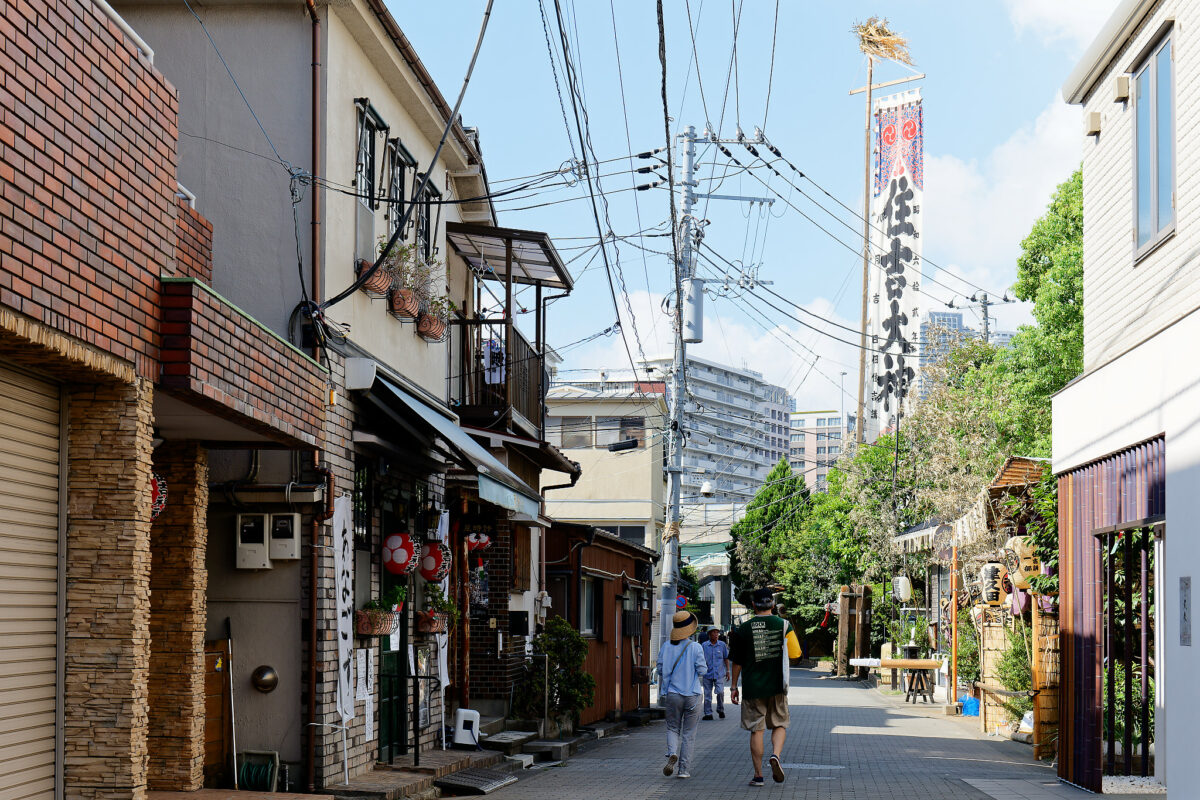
{"points": [[436, 561], [158, 495], [400, 555], [478, 541]]}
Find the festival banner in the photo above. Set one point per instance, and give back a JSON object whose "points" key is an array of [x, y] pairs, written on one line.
{"points": [[895, 275], [343, 570]]}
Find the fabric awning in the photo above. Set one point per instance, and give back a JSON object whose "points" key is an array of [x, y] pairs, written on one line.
{"points": [[497, 483]]}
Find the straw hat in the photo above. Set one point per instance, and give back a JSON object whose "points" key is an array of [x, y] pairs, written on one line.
{"points": [[685, 623]]}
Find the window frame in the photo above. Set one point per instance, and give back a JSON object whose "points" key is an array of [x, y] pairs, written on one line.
{"points": [[1146, 61], [370, 125], [397, 161], [587, 610]]}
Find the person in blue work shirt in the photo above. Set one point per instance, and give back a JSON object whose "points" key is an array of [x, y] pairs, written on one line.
{"points": [[716, 657], [680, 668]]}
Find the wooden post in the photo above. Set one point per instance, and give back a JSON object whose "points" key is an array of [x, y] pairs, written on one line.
{"points": [[843, 665], [862, 626], [1037, 675], [952, 684]]}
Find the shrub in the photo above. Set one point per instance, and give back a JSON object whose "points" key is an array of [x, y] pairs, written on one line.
{"points": [[1014, 670], [571, 689]]}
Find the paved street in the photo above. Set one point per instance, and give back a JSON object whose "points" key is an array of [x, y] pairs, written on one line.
{"points": [[846, 742]]}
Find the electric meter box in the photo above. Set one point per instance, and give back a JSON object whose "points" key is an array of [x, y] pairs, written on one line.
{"points": [[253, 551], [285, 537]]}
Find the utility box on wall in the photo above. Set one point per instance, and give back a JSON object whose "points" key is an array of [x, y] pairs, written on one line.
{"points": [[253, 552], [285, 537]]}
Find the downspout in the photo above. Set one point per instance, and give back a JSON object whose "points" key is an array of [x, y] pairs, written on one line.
{"points": [[313, 583], [317, 282]]}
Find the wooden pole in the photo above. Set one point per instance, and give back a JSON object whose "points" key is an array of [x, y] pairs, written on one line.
{"points": [[843, 630], [860, 422], [952, 687]]}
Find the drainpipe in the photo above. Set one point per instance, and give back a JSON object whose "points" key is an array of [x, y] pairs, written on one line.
{"points": [[313, 583], [315, 294]]}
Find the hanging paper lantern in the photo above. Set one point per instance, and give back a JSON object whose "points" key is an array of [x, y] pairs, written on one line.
{"points": [[158, 495], [478, 541], [400, 554], [1027, 564], [992, 575], [436, 561]]}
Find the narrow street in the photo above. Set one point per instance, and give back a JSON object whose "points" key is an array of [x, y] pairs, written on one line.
{"points": [[846, 741]]}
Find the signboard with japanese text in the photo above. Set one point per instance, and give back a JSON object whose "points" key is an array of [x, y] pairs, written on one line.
{"points": [[343, 569], [895, 276]]}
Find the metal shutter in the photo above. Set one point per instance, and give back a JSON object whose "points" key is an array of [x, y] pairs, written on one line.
{"points": [[29, 510]]}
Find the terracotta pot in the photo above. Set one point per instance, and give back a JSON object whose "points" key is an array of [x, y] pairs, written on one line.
{"points": [[376, 623], [432, 622], [430, 328], [379, 283], [403, 303]]}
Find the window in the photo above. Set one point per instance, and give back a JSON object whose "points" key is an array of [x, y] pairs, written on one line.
{"points": [[522, 559], [576, 432], [634, 428], [820, 451], [1154, 143], [399, 161], [426, 225], [554, 431], [833, 451], [800, 450], [369, 126], [608, 430], [587, 607]]}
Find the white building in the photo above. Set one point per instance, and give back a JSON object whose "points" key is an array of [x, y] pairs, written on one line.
{"points": [[737, 426], [1127, 432], [817, 440]]}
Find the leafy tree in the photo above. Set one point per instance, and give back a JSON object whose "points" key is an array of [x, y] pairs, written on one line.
{"points": [[762, 536], [881, 485]]}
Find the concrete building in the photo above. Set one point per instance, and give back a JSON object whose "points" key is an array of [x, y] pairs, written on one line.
{"points": [[1127, 431], [738, 425], [622, 490], [817, 440]]}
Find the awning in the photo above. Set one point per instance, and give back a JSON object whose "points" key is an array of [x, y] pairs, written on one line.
{"points": [[497, 483]]}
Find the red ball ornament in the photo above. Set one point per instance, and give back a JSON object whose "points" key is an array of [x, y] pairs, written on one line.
{"points": [[399, 554], [478, 541], [436, 560]]}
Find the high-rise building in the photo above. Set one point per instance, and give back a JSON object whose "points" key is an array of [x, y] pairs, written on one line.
{"points": [[737, 429], [817, 440]]}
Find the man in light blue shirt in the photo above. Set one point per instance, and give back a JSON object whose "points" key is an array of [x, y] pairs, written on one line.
{"points": [[716, 657]]}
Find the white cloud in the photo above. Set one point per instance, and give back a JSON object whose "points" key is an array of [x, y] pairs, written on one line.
{"points": [[1075, 22], [978, 211]]}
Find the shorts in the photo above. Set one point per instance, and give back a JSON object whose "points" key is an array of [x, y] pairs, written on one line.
{"points": [[765, 712]]}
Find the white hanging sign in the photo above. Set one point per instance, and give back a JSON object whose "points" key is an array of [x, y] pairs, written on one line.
{"points": [[343, 569]]}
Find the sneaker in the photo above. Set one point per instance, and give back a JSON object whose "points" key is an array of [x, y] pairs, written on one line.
{"points": [[721, 714], [709, 717], [669, 769], [684, 775], [776, 769], [757, 781]]}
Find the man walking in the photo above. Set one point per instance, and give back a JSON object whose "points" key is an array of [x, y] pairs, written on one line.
{"points": [[761, 653], [716, 656]]}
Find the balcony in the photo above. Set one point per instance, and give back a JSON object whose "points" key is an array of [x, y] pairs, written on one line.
{"points": [[501, 382]]}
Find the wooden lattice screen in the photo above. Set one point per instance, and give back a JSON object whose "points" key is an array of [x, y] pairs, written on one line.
{"points": [[993, 642], [1047, 674]]}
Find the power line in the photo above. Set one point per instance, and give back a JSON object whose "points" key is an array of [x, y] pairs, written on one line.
{"points": [[771, 71]]}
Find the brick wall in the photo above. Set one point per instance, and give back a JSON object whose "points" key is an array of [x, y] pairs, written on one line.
{"points": [[236, 367], [107, 654], [493, 671], [193, 250], [87, 177], [178, 612]]}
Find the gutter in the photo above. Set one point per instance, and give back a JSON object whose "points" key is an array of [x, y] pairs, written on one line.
{"points": [[423, 77], [1120, 29]]}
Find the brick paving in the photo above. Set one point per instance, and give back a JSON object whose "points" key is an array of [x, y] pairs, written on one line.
{"points": [[846, 742]]}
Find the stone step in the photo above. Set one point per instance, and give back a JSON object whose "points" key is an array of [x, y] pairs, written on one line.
{"points": [[602, 729], [490, 726], [655, 712], [518, 762], [636, 719], [548, 749], [508, 742]]}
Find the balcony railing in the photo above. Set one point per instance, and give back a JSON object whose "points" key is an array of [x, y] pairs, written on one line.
{"points": [[502, 376]]}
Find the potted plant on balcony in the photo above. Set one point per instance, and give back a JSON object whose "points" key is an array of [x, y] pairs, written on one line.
{"points": [[411, 280], [378, 616], [380, 282], [440, 614], [434, 317]]}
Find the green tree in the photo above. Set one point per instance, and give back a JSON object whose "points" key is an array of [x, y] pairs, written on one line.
{"points": [[761, 537]]}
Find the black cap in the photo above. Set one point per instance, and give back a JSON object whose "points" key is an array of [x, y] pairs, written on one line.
{"points": [[762, 599]]}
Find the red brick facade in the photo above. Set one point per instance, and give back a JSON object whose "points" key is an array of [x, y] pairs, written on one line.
{"points": [[87, 177], [234, 365], [193, 251]]}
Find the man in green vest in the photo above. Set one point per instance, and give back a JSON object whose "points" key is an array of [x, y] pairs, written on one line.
{"points": [[761, 652]]}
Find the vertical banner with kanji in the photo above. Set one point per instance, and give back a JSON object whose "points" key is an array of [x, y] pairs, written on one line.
{"points": [[895, 276], [343, 570]]}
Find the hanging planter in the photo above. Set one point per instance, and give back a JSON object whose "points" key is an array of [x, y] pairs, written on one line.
{"points": [[376, 622], [380, 282], [403, 304], [431, 328], [432, 621]]}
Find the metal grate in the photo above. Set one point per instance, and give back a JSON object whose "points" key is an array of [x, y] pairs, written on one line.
{"points": [[474, 781]]}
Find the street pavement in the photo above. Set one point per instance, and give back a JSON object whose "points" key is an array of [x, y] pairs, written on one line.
{"points": [[846, 742]]}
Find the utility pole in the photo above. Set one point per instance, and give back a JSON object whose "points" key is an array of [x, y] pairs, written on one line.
{"points": [[690, 309], [982, 300]]}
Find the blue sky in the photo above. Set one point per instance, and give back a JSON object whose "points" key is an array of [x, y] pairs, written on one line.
{"points": [[998, 139]]}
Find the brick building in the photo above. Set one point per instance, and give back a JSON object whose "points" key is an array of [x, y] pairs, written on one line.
{"points": [[117, 360]]}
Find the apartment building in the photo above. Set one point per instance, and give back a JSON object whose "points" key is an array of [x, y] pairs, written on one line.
{"points": [[817, 440], [737, 426]]}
